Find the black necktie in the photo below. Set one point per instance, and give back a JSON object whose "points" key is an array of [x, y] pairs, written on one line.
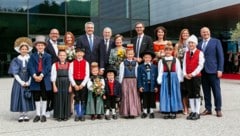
{"points": [[191, 54]]}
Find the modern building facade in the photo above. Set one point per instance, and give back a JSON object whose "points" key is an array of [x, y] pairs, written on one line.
{"points": [[33, 17]]}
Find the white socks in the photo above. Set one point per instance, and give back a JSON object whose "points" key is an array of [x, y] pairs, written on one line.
{"points": [[107, 112], [113, 111], [151, 110], [195, 105], [40, 107], [145, 111]]}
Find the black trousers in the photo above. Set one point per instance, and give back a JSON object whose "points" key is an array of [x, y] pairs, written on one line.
{"points": [[193, 87], [42, 93], [80, 95], [148, 100], [110, 102]]}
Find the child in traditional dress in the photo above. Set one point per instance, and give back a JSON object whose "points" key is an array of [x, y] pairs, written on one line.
{"points": [[95, 85], [79, 75], [169, 76], [147, 83], [112, 92], [22, 79], [40, 69], [61, 87], [193, 63], [130, 102]]}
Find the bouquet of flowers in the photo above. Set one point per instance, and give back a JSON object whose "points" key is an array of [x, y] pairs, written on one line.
{"points": [[70, 53], [97, 86]]}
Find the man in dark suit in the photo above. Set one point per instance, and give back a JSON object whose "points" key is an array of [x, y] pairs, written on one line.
{"points": [[92, 46], [52, 49], [108, 44], [141, 42], [52, 44], [212, 71]]}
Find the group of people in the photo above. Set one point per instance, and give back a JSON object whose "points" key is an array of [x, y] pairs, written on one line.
{"points": [[98, 76]]}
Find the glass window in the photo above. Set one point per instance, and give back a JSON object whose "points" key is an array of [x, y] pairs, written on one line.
{"points": [[42, 24], [76, 24], [140, 9], [13, 5], [47, 6], [82, 7], [114, 9], [117, 25]]}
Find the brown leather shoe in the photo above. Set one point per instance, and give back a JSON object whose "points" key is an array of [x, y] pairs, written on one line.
{"points": [[219, 113], [206, 112]]}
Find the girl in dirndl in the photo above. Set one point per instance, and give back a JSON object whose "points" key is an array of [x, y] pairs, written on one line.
{"points": [[169, 76], [22, 79], [130, 102], [61, 87]]}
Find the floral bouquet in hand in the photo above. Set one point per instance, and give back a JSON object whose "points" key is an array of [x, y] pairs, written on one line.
{"points": [[70, 53], [120, 57], [97, 86]]}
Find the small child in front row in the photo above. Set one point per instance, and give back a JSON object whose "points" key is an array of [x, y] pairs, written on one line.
{"points": [[130, 101], [169, 76], [95, 85], [147, 83], [193, 63], [112, 93]]}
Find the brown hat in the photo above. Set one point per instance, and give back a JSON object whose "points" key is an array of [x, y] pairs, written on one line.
{"points": [[23, 41], [40, 39]]}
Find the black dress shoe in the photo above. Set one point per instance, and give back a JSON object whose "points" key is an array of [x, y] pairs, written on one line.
{"points": [[151, 116], [189, 117], [114, 117], [76, 118], [144, 115], [107, 117], [167, 116], [82, 118], [36, 119], [21, 118], [99, 116], [195, 116], [173, 116], [206, 112], [93, 117], [43, 119]]}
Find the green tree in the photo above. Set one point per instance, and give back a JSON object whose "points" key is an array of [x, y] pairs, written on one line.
{"points": [[236, 32]]}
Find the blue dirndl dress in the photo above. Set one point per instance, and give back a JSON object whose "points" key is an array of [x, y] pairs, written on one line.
{"points": [[18, 102], [170, 95]]}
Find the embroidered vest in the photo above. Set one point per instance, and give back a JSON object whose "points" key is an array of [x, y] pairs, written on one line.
{"points": [[129, 68], [79, 69], [192, 62]]}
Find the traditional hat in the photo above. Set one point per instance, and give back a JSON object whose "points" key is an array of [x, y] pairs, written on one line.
{"points": [[192, 38], [40, 39], [78, 49], [110, 68], [149, 52], [23, 41]]}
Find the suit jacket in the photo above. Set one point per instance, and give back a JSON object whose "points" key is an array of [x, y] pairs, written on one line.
{"points": [[116, 87], [33, 69], [50, 50], [94, 55], [147, 44], [142, 80], [213, 54], [105, 52]]}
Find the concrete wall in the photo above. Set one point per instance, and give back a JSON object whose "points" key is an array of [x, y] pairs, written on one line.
{"points": [[167, 10]]}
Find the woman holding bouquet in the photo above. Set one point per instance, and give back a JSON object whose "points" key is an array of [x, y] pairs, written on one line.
{"points": [[95, 85], [69, 42], [117, 54]]}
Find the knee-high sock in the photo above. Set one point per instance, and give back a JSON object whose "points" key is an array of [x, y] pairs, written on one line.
{"points": [[44, 106], [192, 105], [113, 111], [107, 112], [198, 105], [38, 108]]}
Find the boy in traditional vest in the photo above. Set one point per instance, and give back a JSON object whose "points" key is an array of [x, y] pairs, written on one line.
{"points": [[192, 65], [79, 75]]}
